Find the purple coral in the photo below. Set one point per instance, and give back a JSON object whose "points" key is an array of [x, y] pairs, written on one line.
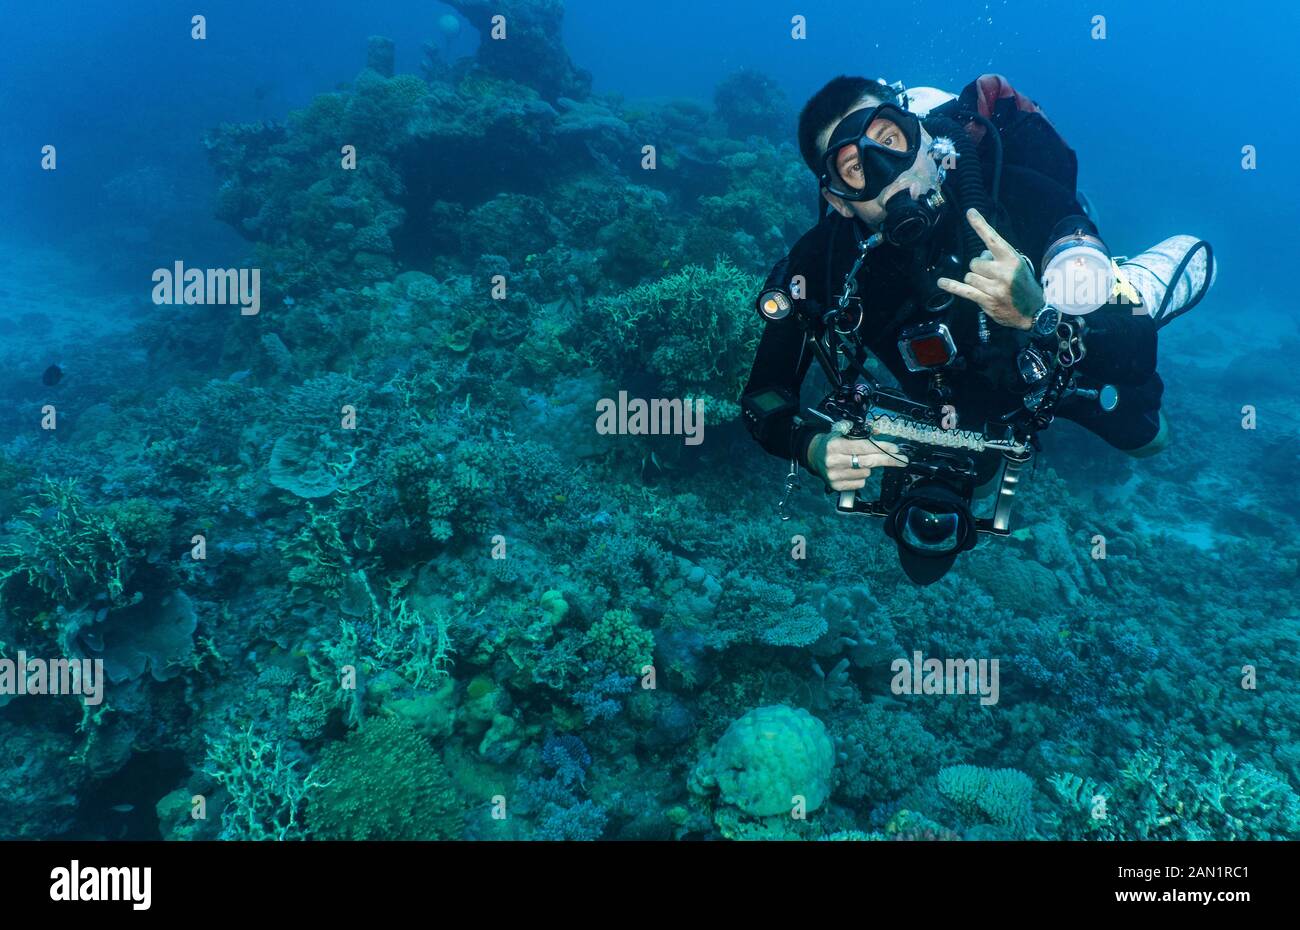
{"points": [[568, 756]]}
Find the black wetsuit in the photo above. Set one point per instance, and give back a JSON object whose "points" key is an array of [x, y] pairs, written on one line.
{"points": [[1121, 346]]}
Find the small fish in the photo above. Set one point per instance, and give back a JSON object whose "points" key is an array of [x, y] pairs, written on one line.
{"points": [[53, 375], [123, 808]]}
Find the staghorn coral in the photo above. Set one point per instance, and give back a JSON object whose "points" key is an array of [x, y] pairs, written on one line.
{"points": [[61, 552], [1159, 794], [267, 792], [317, 555]]}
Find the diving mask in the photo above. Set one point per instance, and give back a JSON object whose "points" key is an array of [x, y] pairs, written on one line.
{"points": [[868, 150]]}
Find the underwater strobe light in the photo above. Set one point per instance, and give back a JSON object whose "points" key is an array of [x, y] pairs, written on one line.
{"points": [[774, 304], [776, 300], [1077, 274]]}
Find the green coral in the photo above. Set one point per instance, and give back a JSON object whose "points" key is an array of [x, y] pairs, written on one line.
{"points": [[60, 552], [142, 523], [383, 782], [417, 647], [555, 606], [695, 331], [1004, 797], [617, 640], [317, 555], [175, 812]]}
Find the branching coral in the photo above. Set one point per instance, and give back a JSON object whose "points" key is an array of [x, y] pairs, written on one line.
{"points": [[267, 791], [596, 696], [1159, 795], [882, 753], [419, 649], [754, 610], [63, 551], [317, 555], [449, 492]]}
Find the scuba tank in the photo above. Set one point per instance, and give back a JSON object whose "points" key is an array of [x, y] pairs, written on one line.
{"points": [[921, 100], [1171, 277]]}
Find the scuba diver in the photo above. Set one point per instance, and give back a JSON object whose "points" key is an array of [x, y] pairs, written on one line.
{"points": [[954, 248]]}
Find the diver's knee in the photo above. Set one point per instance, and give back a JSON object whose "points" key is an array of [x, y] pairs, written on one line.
{"points": [[1157, 443]]}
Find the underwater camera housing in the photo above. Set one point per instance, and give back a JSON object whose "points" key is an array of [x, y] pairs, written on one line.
{"points": [[927, 504]]}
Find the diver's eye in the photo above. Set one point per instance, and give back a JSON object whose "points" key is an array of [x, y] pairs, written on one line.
{"points": [[887, 134], [851, 173]]}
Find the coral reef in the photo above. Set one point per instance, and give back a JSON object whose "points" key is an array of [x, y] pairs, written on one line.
{"points": [[465, 613]]}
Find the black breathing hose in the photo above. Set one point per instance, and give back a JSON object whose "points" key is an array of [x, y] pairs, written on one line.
{"points": [[992, 133], [970, 182]]}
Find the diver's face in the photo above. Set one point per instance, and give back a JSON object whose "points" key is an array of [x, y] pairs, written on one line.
{"points": [[921, 176]]}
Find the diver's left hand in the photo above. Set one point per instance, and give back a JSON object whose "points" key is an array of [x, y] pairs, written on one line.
{"points": [[999, 280]]}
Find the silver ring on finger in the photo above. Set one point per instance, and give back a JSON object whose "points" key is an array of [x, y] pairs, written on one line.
{"points": [[854, 461]]}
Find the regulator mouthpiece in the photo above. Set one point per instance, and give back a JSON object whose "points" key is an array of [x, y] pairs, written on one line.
{"points": [[909, 222]]}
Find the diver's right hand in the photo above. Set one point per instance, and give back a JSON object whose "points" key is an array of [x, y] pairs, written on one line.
{"points": [[831, 457]]}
